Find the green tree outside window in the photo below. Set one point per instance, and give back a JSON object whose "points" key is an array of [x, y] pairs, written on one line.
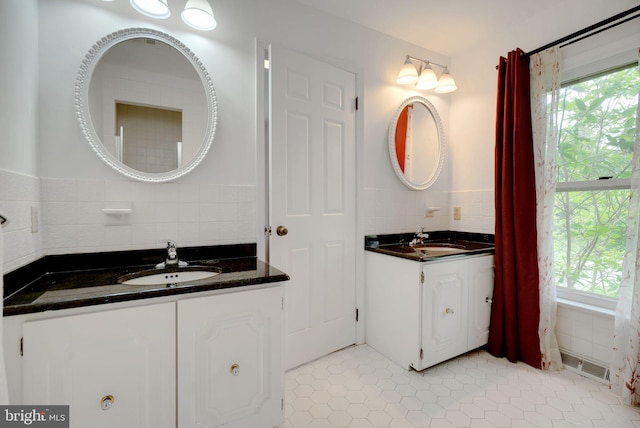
{"points": [[597, 134]]}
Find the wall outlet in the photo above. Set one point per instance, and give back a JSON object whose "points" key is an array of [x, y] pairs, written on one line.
{"points": [[34, 219], [457, 213]]}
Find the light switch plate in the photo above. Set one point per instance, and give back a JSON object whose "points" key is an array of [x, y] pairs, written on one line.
{"points": [[34, 219], [457, 213]]}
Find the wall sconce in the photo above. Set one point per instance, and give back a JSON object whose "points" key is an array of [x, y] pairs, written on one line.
{"points": [[196, 14], [424, 77]]}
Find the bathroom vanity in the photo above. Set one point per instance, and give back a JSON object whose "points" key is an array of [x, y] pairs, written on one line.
{"points": [[430, 301], [197, 353]]}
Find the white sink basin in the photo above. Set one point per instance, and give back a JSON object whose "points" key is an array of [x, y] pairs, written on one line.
{"points": [[441, 249], [165, 276]]}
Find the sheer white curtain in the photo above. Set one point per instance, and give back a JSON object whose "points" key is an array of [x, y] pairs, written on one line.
{"points": [[625, 364], [545, 88]]}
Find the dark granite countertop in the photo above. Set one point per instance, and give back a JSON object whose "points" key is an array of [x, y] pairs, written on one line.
{"points": [[397, 245], [76, 280]]}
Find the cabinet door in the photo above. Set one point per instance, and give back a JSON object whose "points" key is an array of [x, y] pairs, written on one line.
{"points": [[481, 279], [444, 306], [230, 369], [128, 354]]}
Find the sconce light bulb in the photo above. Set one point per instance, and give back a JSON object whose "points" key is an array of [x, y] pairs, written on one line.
{"points": [[428, 78], [153, 8], [408, 73], [446, 83], [199, 15]]}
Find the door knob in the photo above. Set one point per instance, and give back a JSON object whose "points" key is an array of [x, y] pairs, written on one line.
{"points": [[235, 369], [282, 231], [106, 402]]}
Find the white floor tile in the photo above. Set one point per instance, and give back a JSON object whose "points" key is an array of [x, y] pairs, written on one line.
{"points": [[358, 388]]}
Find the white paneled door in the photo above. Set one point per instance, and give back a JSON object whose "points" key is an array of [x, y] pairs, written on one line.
{"points": [[313, 201]]}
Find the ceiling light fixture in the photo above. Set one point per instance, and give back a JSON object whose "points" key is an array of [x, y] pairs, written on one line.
{"points": [[199, 15], [154, 8], [425, 77]]}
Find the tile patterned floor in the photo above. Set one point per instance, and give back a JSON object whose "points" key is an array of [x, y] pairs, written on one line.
{"points": [[358, 388]]}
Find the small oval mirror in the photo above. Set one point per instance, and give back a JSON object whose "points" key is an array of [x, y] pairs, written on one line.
{"points": [[416, 143], [146, 104]]}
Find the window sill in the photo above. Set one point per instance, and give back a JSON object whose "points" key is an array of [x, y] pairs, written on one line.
{"points": [[584, 307]]}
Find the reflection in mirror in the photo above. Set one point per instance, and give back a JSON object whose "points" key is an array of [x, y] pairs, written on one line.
{"points": [[153, 140], [146, 104], [416, 143]]}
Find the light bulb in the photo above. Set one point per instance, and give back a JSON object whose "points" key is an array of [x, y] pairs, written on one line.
{"points": [[199, 15], [428, 78], [154, 8], [408, 73], [446, 83]]}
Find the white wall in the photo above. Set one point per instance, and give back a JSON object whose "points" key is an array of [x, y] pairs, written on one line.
{"points": [[19, 185], [18, 85]]}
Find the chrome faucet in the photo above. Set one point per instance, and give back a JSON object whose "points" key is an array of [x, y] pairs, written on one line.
{"points": [[172, 254], [421, 235], [171, 258]]}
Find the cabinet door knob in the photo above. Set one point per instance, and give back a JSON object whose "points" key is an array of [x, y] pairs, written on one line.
{"points": [[106, 402], [488, 300], [449, 311], [235, 369]]}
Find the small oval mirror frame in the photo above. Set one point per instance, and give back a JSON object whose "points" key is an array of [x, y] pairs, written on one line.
{"points": [[441, 143], [84, 116]]}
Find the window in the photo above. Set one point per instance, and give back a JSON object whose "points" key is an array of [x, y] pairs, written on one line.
{"points": [[597, 134]]}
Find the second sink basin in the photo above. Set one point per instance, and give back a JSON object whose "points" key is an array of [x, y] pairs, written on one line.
{"points": [[442, 247], [164, 276], [440, 250]]}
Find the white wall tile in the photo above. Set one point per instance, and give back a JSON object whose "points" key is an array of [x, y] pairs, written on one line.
{"points": [[59, 190], [189, 193], [91, 190], [585, 333], [190, 214], [59, 213], [118, 191], [90, 213], [209, 193], [90, 235], [229, 193]]}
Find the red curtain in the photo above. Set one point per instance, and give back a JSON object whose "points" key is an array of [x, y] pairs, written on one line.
{"points": [[515, 312]]}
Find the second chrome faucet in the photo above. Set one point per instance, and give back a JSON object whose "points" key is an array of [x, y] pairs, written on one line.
{"points": [[171, 258]]}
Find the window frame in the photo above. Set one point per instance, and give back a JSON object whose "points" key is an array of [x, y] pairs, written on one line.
{"points": [[601, 184]]}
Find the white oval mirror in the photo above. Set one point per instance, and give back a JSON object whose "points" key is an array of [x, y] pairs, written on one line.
{"points": [[146, 104], [416, 143]]}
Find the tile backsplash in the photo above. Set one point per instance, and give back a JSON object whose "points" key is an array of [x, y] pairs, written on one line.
{"points": [[83, 216], [19, 197], [389, 211], [70, 215]]}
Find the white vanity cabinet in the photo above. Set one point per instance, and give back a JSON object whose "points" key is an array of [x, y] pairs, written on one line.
{"points": [[202, 360], [230, 370], [422, 313], [114, 368]]}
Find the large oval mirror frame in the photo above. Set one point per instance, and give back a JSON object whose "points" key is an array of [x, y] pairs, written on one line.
{"points": [[84, 115], [417, 143]]}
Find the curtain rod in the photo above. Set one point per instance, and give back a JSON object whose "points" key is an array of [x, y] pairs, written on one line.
{"points": [[600, 27]]}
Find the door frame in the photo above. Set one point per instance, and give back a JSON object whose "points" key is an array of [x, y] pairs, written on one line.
{"points": [[263, 161]]}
